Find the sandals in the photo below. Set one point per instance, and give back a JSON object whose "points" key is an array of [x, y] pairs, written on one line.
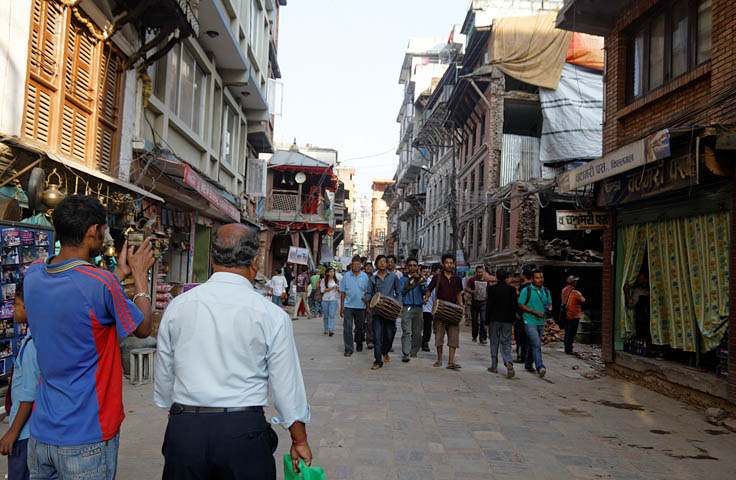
{"points": [[437, 364], [454, 366], [375, 366]]}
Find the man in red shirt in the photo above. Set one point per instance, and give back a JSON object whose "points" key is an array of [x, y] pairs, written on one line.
{"points": [[574, 300], [302, 280], [449, 288]]}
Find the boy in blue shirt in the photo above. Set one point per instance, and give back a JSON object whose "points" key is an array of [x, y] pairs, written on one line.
{"points": [[23, 393], [536, 303]]}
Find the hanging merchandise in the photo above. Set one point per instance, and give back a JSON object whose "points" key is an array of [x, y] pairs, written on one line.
{"points": [[53, 195], [21, 245]]}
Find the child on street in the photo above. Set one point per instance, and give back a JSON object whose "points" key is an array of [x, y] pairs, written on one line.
{"points": [[24, 381]]}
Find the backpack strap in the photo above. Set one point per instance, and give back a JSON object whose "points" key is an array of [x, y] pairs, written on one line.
{"points": [[528, 289]]}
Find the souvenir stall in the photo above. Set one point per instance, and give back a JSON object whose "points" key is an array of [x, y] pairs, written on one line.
{"points": [[21, 244]]}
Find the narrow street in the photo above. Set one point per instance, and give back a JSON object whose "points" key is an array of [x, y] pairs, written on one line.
{"points": [[413, 421]]}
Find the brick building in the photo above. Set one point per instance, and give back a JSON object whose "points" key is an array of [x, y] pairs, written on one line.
{"points": [[668, 133]]}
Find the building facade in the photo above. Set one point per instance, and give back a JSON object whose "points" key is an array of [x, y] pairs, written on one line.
{"points": [[379, 224], [673, 119]]}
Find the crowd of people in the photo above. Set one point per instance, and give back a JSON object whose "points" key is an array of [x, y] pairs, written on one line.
{"points": [[499, 308]]}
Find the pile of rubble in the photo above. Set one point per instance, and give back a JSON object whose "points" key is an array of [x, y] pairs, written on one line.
{"points": [[560, 249], [552, 332]]}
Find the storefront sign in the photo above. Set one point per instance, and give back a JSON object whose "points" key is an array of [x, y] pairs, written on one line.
{"points": [[298, 255], [625, 158], [648, 181], [205, 189], [581, 220]]}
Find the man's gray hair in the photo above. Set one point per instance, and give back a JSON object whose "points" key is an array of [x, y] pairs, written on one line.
{"points": [[236, 248]]}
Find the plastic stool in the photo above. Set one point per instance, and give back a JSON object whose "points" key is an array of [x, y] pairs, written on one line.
{"points": [[141, 365]]}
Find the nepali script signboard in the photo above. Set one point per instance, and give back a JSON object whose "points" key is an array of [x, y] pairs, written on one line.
{"points": [[649, 181], [581, 220]]}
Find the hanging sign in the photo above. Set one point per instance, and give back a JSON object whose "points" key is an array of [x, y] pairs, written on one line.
{"points": [[581, 220], [648, 181], [625, 158], [205, 189], [298, 255]]}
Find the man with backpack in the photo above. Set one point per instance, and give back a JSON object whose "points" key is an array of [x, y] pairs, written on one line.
{"points": [[572, 305], [536, 303], [522, 344]]}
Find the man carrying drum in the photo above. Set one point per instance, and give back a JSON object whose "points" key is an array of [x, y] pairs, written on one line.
{"points": [[449, 289], [385, 284]]}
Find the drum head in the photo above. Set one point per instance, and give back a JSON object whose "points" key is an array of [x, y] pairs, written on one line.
{"points": [[374, 301]]}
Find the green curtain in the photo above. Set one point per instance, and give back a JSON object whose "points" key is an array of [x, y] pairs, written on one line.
{"points": [[671, 321], [689, 274], [635, 244], [708, 241]]}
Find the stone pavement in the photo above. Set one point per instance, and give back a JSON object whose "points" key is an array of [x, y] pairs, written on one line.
{"points": [[413, 421]]}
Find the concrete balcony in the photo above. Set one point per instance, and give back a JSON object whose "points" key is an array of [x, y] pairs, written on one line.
{"points": [[408, 170]]}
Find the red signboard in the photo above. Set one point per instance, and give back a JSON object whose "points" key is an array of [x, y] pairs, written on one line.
{"points": [[204, 188]]}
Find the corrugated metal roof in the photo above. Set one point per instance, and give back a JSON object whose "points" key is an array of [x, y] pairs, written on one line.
{"points": [[295, 159]]}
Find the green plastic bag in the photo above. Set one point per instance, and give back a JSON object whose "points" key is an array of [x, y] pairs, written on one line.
{"points": [[306, 473]]}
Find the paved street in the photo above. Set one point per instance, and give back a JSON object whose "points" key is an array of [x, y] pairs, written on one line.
{"points": [[413, 421]]}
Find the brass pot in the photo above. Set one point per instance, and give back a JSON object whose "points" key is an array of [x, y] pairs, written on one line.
{"points": [[52, 196]]}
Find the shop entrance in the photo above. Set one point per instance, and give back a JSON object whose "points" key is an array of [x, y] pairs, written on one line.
{"points": [[279, 251]]}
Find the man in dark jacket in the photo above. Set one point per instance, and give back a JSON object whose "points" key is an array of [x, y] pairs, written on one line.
{"points": [[501, 306]]}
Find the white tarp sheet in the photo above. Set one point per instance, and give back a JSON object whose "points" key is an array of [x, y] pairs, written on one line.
{"points": [[573, 116]]}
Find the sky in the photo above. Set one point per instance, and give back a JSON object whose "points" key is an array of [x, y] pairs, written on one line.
{"points": [[340, 62]]}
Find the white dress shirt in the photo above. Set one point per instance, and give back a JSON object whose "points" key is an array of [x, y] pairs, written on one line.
{"points": [[221, 343]]}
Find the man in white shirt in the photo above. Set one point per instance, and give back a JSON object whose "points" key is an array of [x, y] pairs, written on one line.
{"points": [[219, 347]]}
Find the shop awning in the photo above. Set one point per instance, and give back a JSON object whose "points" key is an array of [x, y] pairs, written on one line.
{"points": [[18, 143], [185, 176]]}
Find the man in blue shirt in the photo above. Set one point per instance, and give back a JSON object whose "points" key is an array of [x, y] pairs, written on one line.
{"points": [[22, 392], [352, 306], [536, 303], [76, 313], [412, 295], [384, 329]]}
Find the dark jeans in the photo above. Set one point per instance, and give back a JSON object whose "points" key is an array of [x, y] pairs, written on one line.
{"points": [[209, 446], [571, 329], [522, 343], [353, 316], [18, 461], [478, 318], [384, 332], [427, 329], [368, 326], [93, 461]]}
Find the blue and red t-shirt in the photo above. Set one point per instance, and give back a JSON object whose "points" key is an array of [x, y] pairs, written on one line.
{"points": [[75, 311]]}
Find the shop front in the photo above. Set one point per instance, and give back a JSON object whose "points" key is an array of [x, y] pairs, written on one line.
{"points": [[666, 290]]}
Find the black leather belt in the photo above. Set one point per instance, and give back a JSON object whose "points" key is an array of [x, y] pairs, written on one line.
{"points": [[178, 408]]}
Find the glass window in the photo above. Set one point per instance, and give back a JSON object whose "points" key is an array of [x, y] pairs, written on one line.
{"points": [[228, 137], [172, 82], [705, 21], [656, 53], [253, 23], [186, 105], [638, 64], [199, 100], [679, 38]]}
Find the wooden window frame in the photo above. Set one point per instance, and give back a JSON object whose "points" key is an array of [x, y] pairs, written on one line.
{"points": [[644, 26], [506, 234], [492, 229], [61, 99]]}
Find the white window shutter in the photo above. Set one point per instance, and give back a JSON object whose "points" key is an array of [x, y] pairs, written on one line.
{"points": [[256, 179]]}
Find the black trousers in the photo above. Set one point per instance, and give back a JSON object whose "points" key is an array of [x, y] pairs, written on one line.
{"points": [[426, 328], [219, 446], [384, 332], [571, 330], [522, 343], [478, 318]]}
